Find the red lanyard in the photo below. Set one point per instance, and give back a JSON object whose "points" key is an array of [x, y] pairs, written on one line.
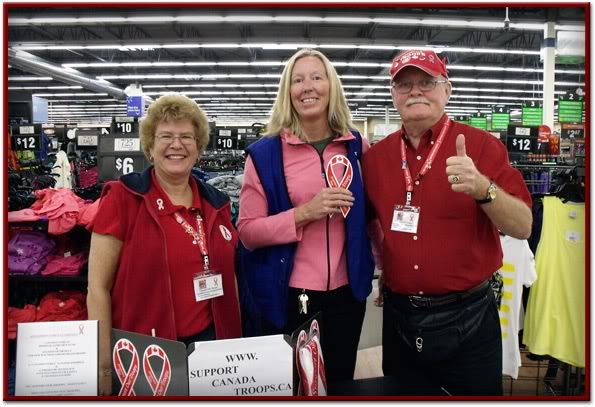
{"points": [[198, 236], [427, 165]]}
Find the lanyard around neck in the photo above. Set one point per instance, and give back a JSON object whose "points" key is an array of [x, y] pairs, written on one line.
{"points": [[198, 235], [427, 164]]}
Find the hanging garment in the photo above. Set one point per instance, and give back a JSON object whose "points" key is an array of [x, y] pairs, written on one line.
{"points": [[61, 171], [518, 270], [555, 320]]}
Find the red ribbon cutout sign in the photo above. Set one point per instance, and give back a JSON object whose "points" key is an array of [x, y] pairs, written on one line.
{"points": [[127, 378], [301, 342], [159, 386], [345, 181], [310, 362], [315, 334]]}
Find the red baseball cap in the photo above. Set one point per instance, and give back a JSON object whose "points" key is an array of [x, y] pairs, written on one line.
{"points": [[426, 60]]}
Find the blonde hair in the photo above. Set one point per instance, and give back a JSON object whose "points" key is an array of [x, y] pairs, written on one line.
{"points": [[283, 114], [174, 106]]}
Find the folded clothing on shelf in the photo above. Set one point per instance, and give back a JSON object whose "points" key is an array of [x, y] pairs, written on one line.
{"points": [[59, 265], [17, 315], [28, 252], [62, 306]]}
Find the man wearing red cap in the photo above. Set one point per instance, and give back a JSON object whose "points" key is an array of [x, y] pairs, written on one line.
{"points": [[441, 191]]}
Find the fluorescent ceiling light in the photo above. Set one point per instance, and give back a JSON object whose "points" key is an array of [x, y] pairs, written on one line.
{"points": [[68, 94], [492, 90], [514, 81], [298, 19], [570, 27], [42, 87], [493, 97], [30, 78], [355, 77], [209, 19], [291, 46], [283, 63]]}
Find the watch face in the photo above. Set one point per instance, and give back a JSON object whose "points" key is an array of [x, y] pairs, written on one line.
{"points": [[492, 191]]}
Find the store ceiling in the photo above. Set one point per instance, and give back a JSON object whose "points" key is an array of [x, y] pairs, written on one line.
{"points": [[229, 59]]}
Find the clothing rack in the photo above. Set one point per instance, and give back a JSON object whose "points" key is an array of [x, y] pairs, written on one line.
{"points": [[222, 161]]}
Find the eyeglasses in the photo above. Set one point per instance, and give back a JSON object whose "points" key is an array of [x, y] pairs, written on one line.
{"points": [[424, 86], [185, 139]]}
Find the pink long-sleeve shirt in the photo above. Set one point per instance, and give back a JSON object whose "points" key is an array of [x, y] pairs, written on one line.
{"points": [[304, 178]]}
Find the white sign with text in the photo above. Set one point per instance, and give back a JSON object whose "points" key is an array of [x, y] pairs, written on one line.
{"points": [[56, 358], [258, 366]]}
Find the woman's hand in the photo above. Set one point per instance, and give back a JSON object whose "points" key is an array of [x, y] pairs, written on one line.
{"points": [[379, 300], [326, 202], [105, 382]]}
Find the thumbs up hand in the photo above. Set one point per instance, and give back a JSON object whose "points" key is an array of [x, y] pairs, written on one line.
{"points": [[463, 175]]}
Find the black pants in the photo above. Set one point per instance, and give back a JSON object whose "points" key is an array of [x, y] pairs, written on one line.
{"points": [[473, 368], [207, 334], [341, 326]]}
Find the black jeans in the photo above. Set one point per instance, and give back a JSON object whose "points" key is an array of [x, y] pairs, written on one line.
{"points": [[341, 326], [474, 367], [207, 334]]}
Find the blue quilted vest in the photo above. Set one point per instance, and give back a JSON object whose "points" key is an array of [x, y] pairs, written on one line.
{"points": [[265, 272]]}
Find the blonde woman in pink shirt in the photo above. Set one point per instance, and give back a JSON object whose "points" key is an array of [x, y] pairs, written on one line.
{"points": [[302, 221]]}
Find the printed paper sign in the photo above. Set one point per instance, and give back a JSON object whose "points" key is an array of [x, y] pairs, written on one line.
{"points": [[57, 358], [126, 144], [259, 366]]}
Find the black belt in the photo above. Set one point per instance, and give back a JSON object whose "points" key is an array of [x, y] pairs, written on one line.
{"points": [[430, 302]]}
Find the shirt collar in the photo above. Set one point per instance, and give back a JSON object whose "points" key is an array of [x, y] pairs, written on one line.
{"points": [[292, 139], [161, 201], [431, 134]]}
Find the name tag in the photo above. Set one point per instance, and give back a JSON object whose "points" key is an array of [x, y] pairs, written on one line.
{"points": [[405, 219], [207, 285]]}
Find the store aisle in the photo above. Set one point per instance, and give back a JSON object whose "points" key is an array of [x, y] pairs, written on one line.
{"points": [[368, 363]]}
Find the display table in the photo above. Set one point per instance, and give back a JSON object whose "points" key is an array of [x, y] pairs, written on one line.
{"points": [[376, 386]]}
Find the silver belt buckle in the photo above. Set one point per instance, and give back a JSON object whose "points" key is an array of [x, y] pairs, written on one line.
{"points": [[413, 298]]}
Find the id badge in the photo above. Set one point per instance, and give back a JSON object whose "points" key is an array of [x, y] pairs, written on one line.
{"points": [[208, 285], [405, 219]]}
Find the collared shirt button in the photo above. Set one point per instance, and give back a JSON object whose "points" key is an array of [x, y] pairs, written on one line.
{"points": [[415, 237], [421, 293], [416, 267], [418, 157], [432, 142], [416, 182]]}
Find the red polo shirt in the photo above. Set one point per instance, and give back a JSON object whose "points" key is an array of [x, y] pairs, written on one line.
{"points": [[456, 246], [184, 258]]}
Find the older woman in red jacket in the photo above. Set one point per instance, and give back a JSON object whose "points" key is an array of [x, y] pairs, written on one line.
{"points": [[163, 245]]}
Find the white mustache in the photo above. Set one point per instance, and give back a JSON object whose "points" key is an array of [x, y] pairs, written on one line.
{"points": [[417, 99]]}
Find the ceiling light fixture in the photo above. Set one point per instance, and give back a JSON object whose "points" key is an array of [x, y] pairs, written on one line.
{"points": [[291, 46], [213, 19]]}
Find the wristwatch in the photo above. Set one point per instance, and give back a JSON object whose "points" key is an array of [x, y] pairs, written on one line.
{"points": [[492, 189]]}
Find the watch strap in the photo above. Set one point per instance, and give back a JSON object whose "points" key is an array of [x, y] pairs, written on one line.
{"points": [[488, 198]]}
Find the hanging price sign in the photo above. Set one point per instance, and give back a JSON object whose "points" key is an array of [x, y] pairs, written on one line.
{"points": [[500, 118], [570, 108], [22, 143], [532, 114]]}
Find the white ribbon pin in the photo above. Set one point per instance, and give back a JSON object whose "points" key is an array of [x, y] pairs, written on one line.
{"points": [[160, 204], [225, 232]]}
